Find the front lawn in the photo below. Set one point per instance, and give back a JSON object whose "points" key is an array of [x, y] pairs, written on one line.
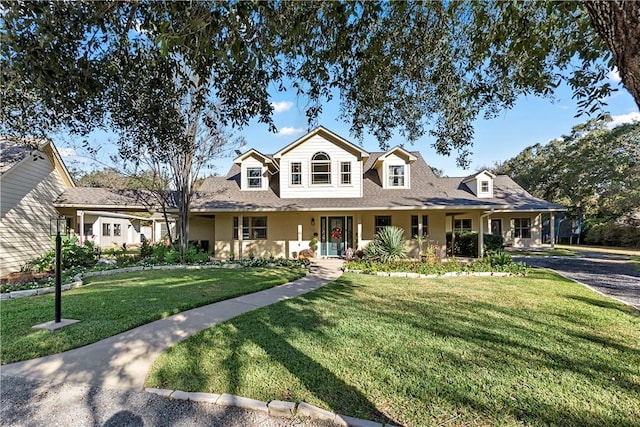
{"points": [[544, 252], [115, 303], [537, 350]]}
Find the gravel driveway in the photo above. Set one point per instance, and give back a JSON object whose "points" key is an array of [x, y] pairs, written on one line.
{"points": [[26, 402], [610, 274]]}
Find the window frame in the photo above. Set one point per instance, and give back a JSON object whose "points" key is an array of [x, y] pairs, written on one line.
{"points": [[345, 174], [251, 231], [520, 230], [320, 163], [106, 229], [393, 177], [297, 173], [379, 218], [117, 230], [250, 177], [482, 187], [414, 226], [462, 228]]}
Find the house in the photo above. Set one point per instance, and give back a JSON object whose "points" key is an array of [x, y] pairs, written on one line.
{"points": [[322, 184], [32, 176]]}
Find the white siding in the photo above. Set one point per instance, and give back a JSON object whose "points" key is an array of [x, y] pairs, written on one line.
{"points": [[27, 192], [252, 162], [303, 154], [383, 171]]}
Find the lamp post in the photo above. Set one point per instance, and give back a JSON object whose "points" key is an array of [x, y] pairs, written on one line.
{"points": [[58, 228]]}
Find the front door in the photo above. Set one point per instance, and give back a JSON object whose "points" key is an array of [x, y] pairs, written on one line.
{"points": [[335, 236], [496, 227]]}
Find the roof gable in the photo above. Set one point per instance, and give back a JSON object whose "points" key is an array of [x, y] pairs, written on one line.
{"points": [[329, 136], [13, 153]]}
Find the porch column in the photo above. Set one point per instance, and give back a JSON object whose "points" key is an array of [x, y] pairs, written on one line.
{"points": [[359, 239], [453, 235], [481, 239], [80, 219], [240, 235], [552, 229]]}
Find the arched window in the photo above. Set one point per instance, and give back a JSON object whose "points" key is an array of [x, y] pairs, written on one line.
{"points": [[321, 168]]}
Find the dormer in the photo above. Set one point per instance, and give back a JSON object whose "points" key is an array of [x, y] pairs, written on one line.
{"points": [[321, 164], [255, 170], [394, 168], [481, 184]]}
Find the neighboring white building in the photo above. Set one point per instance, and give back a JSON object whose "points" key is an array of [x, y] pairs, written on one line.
{"points": [[31, 178], [109, 229]]}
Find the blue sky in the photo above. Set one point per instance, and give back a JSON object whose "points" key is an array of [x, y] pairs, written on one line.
{"points": [[532, 120]]}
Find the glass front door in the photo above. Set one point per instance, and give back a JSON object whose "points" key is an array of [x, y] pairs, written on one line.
{"points": [[336, 235], [335, 241], [496, 227]]}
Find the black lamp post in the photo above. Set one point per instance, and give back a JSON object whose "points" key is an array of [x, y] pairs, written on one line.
{"points": [[58, 227]]}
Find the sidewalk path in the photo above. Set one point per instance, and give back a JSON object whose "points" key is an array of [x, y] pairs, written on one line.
{"points": [[123, 361], [607, 273]]}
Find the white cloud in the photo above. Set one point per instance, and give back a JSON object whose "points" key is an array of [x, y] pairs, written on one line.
{"points": [[289, 131], [614, 75], [282, 106], [624, 119], [67, 152]]}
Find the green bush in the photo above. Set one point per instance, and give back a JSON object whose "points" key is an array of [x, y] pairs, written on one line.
{"points": [[73, 255], [195, 256], [388, 245], [499, 264], [466, 244], [612, 234]]}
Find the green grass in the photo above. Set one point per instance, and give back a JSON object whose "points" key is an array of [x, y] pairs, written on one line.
{"points": [[545, 252], [115, 303], [539, 350]]}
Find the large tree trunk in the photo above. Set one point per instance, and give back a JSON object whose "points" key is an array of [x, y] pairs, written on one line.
{"points": [[618, 23]]}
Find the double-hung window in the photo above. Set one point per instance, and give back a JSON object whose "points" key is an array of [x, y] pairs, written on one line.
{"points": [[382, 221], [296, 173], [345, 173], [106, 229], [462, 225], [321, 168], [484, 186], [253, 228], [522, 228], [415, 231], [117, 230], [254, 177], [396, 176]]}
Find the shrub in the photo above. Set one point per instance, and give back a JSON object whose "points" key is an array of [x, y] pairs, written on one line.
{"points": [[388, 245], [466, 244], [306, 254], [313, 244], [195, 256], [73, 255], [493, 243]]}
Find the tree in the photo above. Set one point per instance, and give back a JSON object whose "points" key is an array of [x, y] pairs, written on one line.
{"points": [[397, 66], [594, 171]]}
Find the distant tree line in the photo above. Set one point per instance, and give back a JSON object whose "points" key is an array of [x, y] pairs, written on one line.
{"points": [[595, 172]]}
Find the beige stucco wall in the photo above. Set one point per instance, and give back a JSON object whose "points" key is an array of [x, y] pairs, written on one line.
{"points": [[27, 192], [507, 229], [292, 231]]}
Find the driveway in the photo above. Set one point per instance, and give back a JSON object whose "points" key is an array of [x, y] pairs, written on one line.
{"points": [[610, 274]]}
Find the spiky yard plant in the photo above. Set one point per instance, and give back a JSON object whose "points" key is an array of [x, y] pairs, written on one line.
{"points": [[388, 245]]}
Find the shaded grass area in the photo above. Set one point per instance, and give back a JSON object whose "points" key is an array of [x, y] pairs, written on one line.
{"points": [[115, 303], [538, 350]]}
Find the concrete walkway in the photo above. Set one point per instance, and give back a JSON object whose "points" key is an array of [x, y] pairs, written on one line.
{"points": [[123, 361]]}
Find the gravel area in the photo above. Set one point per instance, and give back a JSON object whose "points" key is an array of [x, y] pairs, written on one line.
{"points": [[609, 274], [31, 403]]}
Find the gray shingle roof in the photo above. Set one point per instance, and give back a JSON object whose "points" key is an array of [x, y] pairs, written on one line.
{"points": [[219, 194], [103, 198], [427, 192]]}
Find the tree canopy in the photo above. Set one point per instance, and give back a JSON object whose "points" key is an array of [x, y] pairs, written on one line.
{"points": [[594, 171], [396, 66]]}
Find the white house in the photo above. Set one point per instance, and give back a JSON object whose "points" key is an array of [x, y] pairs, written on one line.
{"points": [[32, 176], [274, 204]]}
